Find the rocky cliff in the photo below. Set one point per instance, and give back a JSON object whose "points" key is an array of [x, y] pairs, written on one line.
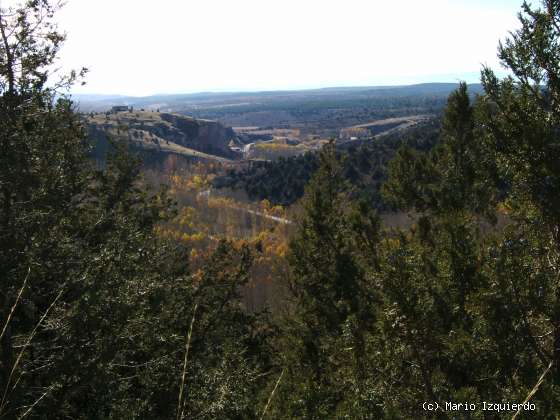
{"points": [[162, 133]]}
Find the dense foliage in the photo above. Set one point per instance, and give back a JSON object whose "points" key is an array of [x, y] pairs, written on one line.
{"points": [[101, 317], [456, 308], [364, 165], [281, 182]]}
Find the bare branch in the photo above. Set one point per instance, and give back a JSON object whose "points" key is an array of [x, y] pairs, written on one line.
{"points": [[28, 411], [180, 407], [15, 303], [271, 395], [22, 351], [533, 391]]}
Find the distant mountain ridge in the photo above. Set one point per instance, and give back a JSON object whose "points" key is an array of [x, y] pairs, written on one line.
{"points": [[88, 102]]}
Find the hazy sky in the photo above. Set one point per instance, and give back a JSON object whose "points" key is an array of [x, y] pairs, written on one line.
{"points": [[141, 47]]}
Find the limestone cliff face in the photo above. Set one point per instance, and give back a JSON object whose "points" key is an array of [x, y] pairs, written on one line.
{"points": [[203, 135], [163, 133]]}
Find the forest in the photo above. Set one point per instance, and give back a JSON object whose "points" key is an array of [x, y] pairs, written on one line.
{"points": [[365, 167], [135, 293]]}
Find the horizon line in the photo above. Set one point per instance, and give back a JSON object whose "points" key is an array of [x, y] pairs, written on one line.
{"points": [[218, 91]]}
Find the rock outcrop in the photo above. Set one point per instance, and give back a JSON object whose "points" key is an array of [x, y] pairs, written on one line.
{"points": [[155, 132]]}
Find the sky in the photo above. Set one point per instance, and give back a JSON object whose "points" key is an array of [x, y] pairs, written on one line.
{"points": [[145, 47]]}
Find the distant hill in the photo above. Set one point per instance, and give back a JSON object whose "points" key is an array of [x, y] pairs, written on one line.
{"points": [[88, 102], [161, 133], [309, 110]]}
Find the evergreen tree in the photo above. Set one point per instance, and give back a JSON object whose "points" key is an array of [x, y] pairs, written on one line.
{"points": [[501, 154], [457, 174], [325, 353], [522, 115], [96, 310]]}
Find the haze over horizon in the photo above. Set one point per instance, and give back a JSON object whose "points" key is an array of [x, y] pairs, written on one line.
{"points": [[470, 79], [141, 48]]}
